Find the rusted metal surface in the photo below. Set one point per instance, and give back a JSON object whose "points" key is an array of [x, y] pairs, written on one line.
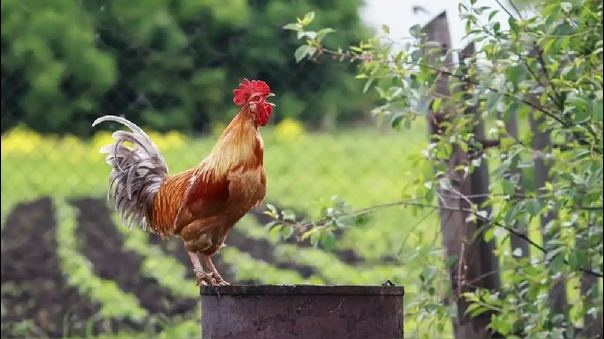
{"points": [[302, 311]]}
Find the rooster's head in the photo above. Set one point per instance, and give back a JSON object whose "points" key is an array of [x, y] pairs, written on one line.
{"points": [[253, 94]]}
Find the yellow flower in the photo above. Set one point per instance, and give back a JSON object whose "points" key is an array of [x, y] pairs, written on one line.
{"points": [[70, 141], [289, 129], [20, 141], [174, 139], [166, 141]]}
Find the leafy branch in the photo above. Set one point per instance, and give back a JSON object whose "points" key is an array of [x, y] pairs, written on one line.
{"points": [[306, 228], [546, 67], [314, 49]]}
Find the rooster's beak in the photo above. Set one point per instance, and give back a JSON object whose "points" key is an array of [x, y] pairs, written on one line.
{"points": [[271, 95]]}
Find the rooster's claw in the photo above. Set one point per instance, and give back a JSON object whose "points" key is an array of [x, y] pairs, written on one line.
{"points": [[205, 279]]}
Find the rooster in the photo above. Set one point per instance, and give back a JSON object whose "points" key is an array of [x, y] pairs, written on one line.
{"points": [[202, 204]]}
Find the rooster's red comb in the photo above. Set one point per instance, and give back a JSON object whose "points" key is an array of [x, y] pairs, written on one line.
{"points": [[247, 88]]}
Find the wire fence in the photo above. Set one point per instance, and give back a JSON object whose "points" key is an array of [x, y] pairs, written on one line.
{"points": [[172, 71], [171, 68]]}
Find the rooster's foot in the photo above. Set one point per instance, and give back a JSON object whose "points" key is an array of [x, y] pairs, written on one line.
{"points": [[204, 279], [222, 282], [210, 265]]}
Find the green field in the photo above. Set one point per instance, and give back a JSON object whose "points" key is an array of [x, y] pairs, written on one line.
{"points": [[363, 166]]}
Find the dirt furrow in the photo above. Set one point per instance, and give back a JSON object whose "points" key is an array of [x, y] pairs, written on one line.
{"points": [[36, 299], [103, 245]]}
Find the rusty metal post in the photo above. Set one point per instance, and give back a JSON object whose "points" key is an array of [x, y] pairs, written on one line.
{"points": [[302, 311]]}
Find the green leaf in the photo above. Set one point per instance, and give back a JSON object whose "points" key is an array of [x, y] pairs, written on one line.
{"points": [[308, 18], [275, 232], [288, 214], [549, 42], [436, 104], [293, 27], [415, 30], [515, 74], [557, 263], [344, 221], [307, 34], [272, 224], [566, 7], [533, 206], [513, 24], [489, 234], [368, 84], [577, 259], [509, 188], [322, 33], [497, 27], [492, 15], [328, 240], [301, 52], [597, 112], [287, 232], [308, 233], [386, 29], [272, 211]]}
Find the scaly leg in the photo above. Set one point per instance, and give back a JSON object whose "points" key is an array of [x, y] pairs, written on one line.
{"points": [[203, 278], [214, 272]]}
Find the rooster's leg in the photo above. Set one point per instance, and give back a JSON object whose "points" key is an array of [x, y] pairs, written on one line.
{"points": [[212, 268], [203, 278]]}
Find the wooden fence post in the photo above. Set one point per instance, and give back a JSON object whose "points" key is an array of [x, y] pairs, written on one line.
{"points": [[592, 327], [480, 193], [476, 266]]}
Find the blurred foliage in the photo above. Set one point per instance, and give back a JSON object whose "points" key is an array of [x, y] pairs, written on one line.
{"points": [[545, 66], [165, 64]]}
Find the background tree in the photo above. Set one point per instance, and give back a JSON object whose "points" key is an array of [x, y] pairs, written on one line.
{"points": [[167, 64]]}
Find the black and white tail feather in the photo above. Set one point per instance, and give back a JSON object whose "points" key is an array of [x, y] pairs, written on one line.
{"points": [[137, 172]]}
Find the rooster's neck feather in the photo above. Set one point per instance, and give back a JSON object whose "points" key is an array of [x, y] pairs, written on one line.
{"points": [[239, 145]]}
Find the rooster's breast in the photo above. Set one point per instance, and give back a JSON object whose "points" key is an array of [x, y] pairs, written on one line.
{"points": [[247, 189]]}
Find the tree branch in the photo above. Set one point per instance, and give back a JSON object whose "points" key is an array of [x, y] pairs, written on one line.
{"points": [[507, 94], [349, 56], [324, 222], [505, 9]]}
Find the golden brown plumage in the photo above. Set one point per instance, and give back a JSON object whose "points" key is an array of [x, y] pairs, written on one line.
{"points": [[213, 197], [202, 204]]}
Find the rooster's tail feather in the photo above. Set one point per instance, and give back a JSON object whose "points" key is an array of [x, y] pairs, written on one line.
{"points": [[137, 172]]}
